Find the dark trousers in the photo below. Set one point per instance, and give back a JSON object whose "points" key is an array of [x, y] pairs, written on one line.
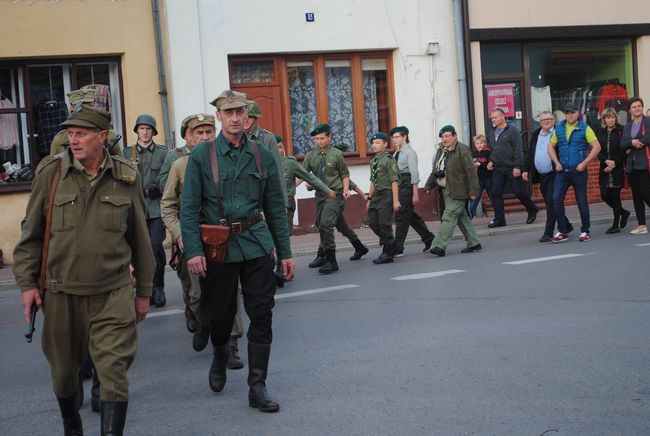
{"points": [[218, 303], [579, 182], [612, 196], [483, 185], [499, 178], [546, 184], [640, 184], [406, 216], [291, 211], [380, 218], [157, 235]]}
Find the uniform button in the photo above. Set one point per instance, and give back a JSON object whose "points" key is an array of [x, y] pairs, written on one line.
{"points": [[83, 189]]}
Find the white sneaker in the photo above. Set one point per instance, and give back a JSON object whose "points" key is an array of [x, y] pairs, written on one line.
{"points": [[640, 230], [584, 237]]}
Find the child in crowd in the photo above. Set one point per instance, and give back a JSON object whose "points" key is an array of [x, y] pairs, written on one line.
{"points": [[481, 155]]}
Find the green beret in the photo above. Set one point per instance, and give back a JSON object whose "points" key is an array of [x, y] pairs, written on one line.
{"points": [[279, 139], [321, 128], [379, 135], [447, 128], [89, 118], [399, 129]]}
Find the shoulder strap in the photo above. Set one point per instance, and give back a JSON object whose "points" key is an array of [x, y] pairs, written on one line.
{"points": [[258, 164], [48, 227], [215, 177]]}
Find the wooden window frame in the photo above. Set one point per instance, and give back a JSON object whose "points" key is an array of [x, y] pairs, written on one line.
{"points": [[362, 153]]}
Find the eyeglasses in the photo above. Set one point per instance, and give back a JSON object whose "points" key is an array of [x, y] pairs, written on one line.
{"points": [[546, 119]]}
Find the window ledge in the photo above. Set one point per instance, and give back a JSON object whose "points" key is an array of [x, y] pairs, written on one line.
{"points": [[15, 187]]}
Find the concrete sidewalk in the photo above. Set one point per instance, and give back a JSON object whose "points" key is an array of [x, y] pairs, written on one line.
{"points": [[307, 245]]}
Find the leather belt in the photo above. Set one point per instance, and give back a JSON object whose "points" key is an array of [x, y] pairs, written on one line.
{"points": [[241, 224]]}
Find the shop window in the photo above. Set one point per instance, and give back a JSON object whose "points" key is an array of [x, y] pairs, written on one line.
{"points": [[501, 59], [33, 104], [593, 74], [352, 92]]}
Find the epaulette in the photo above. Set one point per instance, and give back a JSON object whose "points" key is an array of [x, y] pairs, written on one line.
{"points": [[46, 161], [124, 170], [266, 132]]}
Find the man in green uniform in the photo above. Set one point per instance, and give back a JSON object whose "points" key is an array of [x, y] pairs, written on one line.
{"points": [[98, 231], [383, 196], [249, 201], [176, 153], [454, 172], [264, 137], [85, 96], [149, 158], [328, 164]]}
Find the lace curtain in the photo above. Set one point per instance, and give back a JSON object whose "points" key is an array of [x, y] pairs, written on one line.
{"points": [[302, 103], [340, 107], [370, 103]]}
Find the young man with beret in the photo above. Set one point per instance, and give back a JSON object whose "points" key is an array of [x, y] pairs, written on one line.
{"points": [[250, 203], [98, 232]]}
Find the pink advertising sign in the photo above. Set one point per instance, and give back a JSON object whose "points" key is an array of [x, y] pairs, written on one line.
{"points": [[501, 96]]}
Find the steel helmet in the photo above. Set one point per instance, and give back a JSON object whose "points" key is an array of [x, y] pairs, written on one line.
{"points": [[147, 120], [253, 109]]}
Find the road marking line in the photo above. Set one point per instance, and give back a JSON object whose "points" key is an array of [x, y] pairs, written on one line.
{"points": [[420, 276], [314, 291], [542, 259], [164, 313], [642, 245]]}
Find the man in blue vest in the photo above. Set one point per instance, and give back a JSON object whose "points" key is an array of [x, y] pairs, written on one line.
{"points": [[570, 152]]}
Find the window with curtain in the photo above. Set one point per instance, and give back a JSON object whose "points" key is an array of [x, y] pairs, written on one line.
{"points": [[302, 104]]}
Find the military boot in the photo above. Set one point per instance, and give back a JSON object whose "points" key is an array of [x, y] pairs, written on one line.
{"points": [[234, 361], [386, 256], [217, 375], [319, 260], [72, 425], [200, 338], [330, 264], [94, 393], [158, 297], [359, 249], [258, 364], [113, 417]]}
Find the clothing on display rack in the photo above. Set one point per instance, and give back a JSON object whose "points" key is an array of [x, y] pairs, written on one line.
{"points": [[593, 99], [540, 98], [8, 126], [50, 115], [102, 96]]}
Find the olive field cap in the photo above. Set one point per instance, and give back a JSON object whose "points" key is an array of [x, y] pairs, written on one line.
{"points": [[200, 120], [447, 128], [147, 120], [379, 135], [253, 109], [399, 129], [321, 128], [229, 100], [81, 95], [89, 118], [570, 107]]}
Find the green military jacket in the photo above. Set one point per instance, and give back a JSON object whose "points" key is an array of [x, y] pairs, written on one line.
{"points": [[60, 143], [383, 171], [149, 162], [460, 173], [241, 186], [97, 232], [263, 136], [293, 169], [172, 156], [335, 168]]}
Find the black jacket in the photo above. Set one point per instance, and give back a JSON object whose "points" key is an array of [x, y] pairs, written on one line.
{"points": [[636, 157], [611, 152], [529, 158], [507, 151]]}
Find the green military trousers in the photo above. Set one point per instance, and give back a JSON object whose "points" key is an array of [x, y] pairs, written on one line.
{"points": [[327, 214], [380, 219], [455, 214], [101, 325]]}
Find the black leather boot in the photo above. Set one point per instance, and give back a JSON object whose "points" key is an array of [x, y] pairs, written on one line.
{"points": [[359, 250], [113, 417], [258, 363], [234, 361], [319, 260], [72, 425], [94, 393], [330, 264], [217, 375], [158, 295], [386, 256]]}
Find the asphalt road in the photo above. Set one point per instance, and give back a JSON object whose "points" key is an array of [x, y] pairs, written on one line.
{"points": [[520, 339]]}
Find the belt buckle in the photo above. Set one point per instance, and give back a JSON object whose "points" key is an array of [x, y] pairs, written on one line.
{"points": [[235, 227]]}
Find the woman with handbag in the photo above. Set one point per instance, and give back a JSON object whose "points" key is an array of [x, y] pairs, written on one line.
{"points": [[635, 142], [611, 176]]}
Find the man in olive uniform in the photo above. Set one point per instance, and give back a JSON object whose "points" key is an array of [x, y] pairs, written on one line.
{"points": [[328, 164], [455, 174], [264, 137], [250, 203], [176, 153], [149, 158], [86, 97], [383, 196], [409, 177], [98, 232]]}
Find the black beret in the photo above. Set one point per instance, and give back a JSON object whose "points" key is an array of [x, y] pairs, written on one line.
{"points": [[399, 129], [447, 128], [321, 128]]}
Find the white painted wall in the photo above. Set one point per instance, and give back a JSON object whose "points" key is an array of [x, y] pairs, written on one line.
{"points": [[426, 88]]}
